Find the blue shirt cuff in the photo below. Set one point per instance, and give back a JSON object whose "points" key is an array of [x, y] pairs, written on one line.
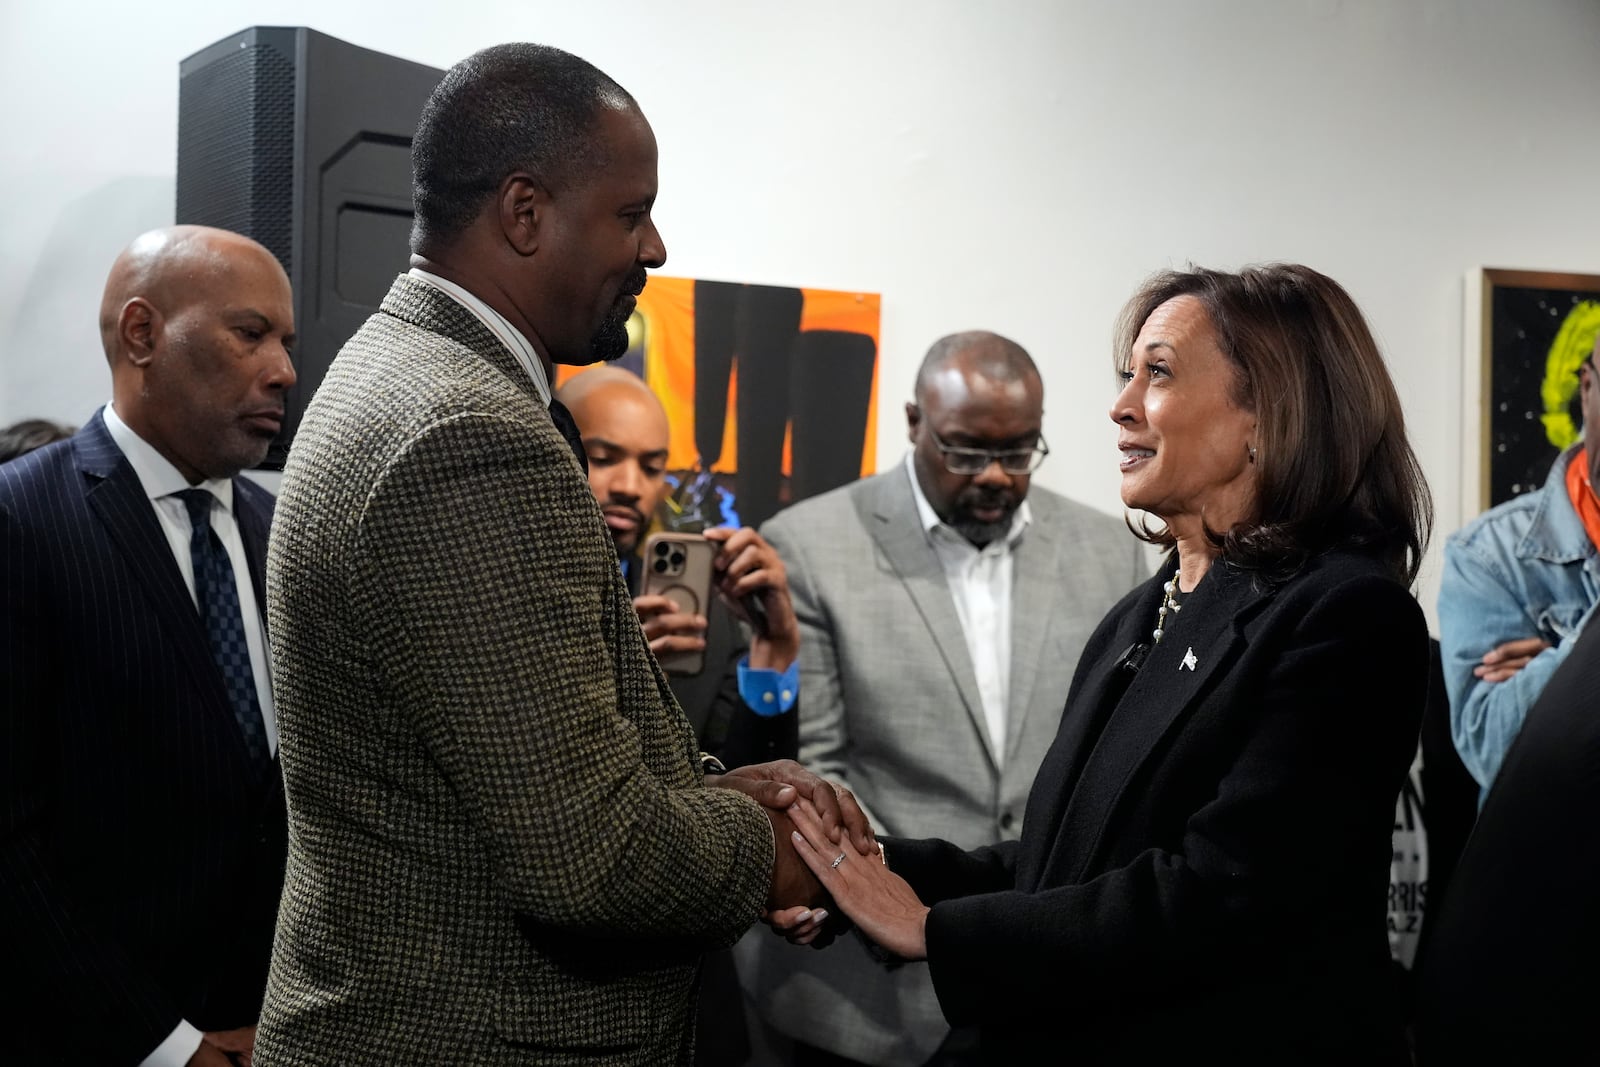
{"points": [[767, 692]]}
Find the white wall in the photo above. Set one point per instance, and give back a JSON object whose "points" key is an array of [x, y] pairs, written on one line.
{"points": [[1016, 166]]}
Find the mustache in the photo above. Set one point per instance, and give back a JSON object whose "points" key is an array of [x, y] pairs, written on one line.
{"points": [[634, 285], [987, 498]]}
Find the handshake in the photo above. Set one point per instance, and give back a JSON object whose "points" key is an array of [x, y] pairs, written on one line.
{"points": [[825, 853], [786, 791]]}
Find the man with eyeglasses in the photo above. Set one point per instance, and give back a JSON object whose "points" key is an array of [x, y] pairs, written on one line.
{"points": [[1520, 583], [942, 610]]}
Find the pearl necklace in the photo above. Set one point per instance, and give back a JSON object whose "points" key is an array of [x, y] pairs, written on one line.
{"points": [[1169, 604]]}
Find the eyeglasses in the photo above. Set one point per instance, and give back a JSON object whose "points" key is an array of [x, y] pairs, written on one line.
{"points": [[970, 461]]}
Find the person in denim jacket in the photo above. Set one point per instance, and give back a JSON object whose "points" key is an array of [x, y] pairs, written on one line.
{"points": [[1520, 582]]}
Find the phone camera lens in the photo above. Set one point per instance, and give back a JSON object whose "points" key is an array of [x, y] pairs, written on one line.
{"points": [[677, 559], [660, 566], [662, 548]]}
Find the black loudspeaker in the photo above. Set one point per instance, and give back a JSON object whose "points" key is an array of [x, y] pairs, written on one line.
{"points": [[303, 142]]}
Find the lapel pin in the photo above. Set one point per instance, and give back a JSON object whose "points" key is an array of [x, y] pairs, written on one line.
{"points": [[1189, 662]]}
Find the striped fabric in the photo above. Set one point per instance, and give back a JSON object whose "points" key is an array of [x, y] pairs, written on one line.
{"points": [[501, 851], [139, 868]]}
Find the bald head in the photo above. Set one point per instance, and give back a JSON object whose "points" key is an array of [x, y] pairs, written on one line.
{"points": [[197, 324], [625, 432], [167, 266], [600, 383], [979, 353], [976, 392]]}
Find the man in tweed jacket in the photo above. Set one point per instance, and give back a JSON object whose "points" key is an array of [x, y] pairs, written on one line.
{"points": [[501, 848]]}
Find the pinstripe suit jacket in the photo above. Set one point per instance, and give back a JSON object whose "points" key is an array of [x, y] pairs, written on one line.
{"points": [[139, 868], [501, 850]]}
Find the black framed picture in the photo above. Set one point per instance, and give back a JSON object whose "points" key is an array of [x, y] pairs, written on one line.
{"points": [[1535, 328]]}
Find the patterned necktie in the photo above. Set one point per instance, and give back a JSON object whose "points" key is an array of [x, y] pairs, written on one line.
{"points": [[218, 598], [569, 429]]}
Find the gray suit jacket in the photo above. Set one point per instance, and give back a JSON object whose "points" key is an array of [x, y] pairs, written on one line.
{"points": [[501, 850], [893, 711]]}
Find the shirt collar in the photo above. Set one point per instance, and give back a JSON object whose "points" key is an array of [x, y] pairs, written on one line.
{"points": [[1020, 519], [158, 477], [497, 324]]}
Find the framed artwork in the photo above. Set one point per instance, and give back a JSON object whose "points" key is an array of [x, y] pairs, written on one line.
{"points": [[1526, 332], [770, 393]]}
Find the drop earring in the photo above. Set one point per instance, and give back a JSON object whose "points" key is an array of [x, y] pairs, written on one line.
{"points": [[1252, 449]]}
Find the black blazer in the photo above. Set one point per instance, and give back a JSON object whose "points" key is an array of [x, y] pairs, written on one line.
{"points": [[1204, 862], [140, 859]]}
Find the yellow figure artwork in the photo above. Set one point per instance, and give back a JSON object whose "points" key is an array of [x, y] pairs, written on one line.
{"points": [[1573, 344]]}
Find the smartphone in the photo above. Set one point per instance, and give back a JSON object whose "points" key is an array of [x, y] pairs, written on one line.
{"points": [[679, 566]]}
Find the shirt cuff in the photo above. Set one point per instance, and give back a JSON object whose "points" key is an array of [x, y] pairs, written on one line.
{"points": [[182, 1043], [766, 692]]}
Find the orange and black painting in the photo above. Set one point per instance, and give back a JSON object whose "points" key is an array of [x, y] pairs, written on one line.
{"points": [[770, 392]]}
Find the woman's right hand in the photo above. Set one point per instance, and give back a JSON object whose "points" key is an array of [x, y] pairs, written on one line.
{"points": [[879, 901]]}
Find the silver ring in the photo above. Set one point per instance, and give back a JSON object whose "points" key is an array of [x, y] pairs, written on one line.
{"points": [[837, 860]]}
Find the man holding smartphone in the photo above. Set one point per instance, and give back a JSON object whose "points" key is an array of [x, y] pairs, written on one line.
{"points": [[743, 703]]}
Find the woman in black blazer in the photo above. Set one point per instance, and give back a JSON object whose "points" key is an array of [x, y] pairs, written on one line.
{"points": [[1204, 861]]}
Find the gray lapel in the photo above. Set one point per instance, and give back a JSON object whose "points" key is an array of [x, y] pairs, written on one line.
{"points": [[897, 528], [1034, 591]]}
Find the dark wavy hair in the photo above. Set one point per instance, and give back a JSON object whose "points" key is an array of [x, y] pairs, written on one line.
{"points": [[512, 107], [1335, 467]]}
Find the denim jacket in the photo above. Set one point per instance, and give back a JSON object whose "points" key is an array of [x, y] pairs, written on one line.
{"points": [[1525, 568]]}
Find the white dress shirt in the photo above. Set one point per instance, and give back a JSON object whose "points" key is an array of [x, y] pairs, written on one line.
{"points": [[160, 481], [980, 584], [496, 324]]}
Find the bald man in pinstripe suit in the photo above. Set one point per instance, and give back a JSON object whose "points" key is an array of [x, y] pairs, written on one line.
{"points": [[141, 807]]}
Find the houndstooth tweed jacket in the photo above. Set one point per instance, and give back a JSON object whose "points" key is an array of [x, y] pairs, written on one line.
{"points": [[501, 850]]}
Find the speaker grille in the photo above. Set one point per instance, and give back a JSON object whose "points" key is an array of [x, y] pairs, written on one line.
{"points": [[236, 147]]}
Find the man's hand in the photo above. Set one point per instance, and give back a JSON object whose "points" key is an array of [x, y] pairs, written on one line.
{"points": [[816, 927], [668, 629], [1506, 659], [225, 1048], [747, 566], [793, 885], [778, 784]]}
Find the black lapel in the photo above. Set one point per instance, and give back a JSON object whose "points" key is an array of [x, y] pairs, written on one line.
{"points": [[1206, 637], [113, 492], [1091, 701]]}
